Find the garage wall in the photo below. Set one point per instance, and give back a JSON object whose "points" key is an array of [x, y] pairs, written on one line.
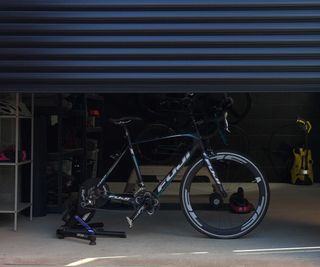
{"points": [[205, 45]]}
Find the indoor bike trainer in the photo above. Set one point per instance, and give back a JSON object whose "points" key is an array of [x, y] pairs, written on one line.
{"points": [[76, 226]]}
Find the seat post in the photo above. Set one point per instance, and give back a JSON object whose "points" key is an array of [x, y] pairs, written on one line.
{"points": [[133, 156]]}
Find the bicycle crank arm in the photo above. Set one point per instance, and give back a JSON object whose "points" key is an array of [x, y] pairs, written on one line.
{"points": [[134, 216]]}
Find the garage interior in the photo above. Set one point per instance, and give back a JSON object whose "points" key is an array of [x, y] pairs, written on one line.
{"points": [[74, 139]]}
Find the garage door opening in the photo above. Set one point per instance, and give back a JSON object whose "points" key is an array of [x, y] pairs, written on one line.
{"points": [[74, 139]]}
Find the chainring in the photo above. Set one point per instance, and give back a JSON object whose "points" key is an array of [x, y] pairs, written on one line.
{"points": [[149, 200]]}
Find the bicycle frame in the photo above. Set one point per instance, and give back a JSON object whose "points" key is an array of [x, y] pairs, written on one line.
{"points": [[168, 179]]}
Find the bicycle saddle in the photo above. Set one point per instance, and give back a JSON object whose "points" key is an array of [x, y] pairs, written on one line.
{"points": [[124, 120]]}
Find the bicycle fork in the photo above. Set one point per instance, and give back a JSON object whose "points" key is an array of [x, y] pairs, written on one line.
{"points": [[213, 177]]}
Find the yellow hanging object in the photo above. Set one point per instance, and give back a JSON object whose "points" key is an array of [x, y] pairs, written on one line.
{"points": [[304, 124], [302, 171]]}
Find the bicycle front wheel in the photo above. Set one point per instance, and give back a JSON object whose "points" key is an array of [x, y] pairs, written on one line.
{"points": [[225, 217]]}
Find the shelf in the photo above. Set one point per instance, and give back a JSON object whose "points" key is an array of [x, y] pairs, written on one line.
{"points": [[11, 204], [14, 117], [8, 207], [65, 153], [94, 129], [13, 163]]}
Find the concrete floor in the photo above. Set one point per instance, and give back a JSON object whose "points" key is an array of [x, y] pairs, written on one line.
{"points": [[291, 228]]}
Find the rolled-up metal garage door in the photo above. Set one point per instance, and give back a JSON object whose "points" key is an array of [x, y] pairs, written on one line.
{"points": [[171, 45]]}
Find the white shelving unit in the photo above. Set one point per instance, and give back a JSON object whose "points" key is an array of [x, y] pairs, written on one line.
{"points": [[10, 177]]}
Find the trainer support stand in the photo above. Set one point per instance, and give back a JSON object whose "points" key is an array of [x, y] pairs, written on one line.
{"points": [[87, 231]]}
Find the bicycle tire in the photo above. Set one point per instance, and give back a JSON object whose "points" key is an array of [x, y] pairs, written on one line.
{"points": [[224, 227], [155, 106], [241, 107]]}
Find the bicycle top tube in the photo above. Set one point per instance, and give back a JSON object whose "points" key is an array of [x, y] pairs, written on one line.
{"points": [[188, 135]]}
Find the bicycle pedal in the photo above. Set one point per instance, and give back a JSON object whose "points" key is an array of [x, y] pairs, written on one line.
{"points": [[130, 222]]}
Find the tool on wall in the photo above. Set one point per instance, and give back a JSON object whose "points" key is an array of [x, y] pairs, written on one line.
{"points": [[302, 171]]}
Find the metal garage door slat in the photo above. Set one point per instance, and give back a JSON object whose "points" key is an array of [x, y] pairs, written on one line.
{"points": [[270, 51], [132, 76], [157, 16], [153, 4], [160, 41], [159, 63], [156, 29], [160, 53]]}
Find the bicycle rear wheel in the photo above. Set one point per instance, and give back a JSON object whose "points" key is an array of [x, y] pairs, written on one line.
{"points": [[237, 214]]}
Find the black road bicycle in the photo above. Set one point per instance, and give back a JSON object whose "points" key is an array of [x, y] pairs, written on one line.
{"points": [[223, 194]]}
